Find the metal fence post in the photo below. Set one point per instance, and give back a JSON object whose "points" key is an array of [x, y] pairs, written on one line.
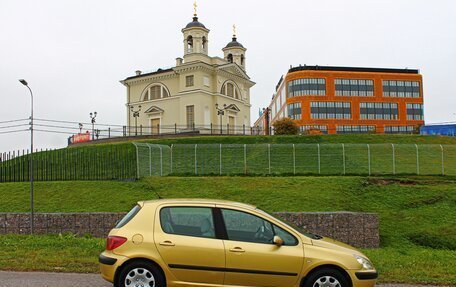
{"points": [[369, 158], [443, 160], [269, 157], [294, 159], [343, 155], [161, 160], [394, 159], [137, 160], [171, 158], [417, 160], [196, 163], [220, 159], [245, 159], [150, 160], [319, 159]]}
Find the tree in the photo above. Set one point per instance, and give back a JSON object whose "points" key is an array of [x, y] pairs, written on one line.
{"points": [[285, 126]]}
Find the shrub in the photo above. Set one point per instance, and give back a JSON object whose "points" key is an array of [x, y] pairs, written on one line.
{"points": [[285, 126]]}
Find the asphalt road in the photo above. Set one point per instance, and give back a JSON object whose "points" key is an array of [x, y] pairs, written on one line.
{"points": [[40, 279]]}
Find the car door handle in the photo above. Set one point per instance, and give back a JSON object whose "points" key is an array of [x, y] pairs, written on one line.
{"points": [[237, 250], [167, 243]]}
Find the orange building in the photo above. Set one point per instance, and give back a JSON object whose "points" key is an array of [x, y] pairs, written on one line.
{"points": [[339, 100]]}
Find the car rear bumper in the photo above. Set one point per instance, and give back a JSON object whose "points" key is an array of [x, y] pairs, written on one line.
{"points": [[363, 278], [109, 262]]}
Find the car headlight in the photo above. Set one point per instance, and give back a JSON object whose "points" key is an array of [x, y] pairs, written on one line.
{"points": [[364, 262]]}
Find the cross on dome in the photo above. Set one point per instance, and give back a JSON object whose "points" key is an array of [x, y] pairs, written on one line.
{"points": [[195, 7]]}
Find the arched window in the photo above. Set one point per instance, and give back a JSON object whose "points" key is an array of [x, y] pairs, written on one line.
{"points": [[242, 60], [155, 92], [190, 44], [230, 58], [204, 43], [231, 90]]}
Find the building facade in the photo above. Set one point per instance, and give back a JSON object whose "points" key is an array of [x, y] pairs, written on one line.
{"points": [[439, 129], [338, 100], [189, 96]]}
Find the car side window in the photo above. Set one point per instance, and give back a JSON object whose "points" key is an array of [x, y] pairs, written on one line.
{"points": [[188, 221], [288, 239], [241, 226]]}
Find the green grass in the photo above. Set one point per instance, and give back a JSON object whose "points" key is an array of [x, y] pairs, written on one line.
{"points": [[118, 160], [50, 253], [337, 139], [417, 215]]}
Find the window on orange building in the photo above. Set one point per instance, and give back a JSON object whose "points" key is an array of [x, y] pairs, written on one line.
{"points": [[330, 110], [307, 87], [415, 112], [400, 129], [379, 111], [354, 88], [295, 111], [401, 89], [355, 129]]}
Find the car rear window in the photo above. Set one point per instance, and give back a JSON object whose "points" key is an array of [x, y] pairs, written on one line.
{"points": [[128, 217]]}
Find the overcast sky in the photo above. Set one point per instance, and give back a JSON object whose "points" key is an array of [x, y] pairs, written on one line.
{"points": [[74, 52]]}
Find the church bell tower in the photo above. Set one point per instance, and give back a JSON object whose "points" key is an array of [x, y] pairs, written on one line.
{"points": [[196, 36]]}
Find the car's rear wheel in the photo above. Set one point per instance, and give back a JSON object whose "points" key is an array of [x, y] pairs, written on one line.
{"points": [[327, 277], [140, 274]]}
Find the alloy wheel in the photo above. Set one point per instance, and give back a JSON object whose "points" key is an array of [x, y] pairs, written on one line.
{"points": [[327, 281], [139, 277]]}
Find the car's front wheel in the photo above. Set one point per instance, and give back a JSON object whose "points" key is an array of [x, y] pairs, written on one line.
{"points": [[327, 277], [140, 274]]}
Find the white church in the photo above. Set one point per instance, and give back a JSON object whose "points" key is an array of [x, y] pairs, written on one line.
{"points": [[201, 93]]}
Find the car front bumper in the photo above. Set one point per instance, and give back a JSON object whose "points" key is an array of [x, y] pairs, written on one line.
{"points": [[109, 263], [363, 278]]}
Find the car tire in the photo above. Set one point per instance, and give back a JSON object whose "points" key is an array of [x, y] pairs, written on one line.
{"points": [[140, 273], [327, 277]]}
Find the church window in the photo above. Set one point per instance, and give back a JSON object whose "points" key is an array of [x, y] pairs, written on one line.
{"points": [[231, 90], [204, 43], [230, 58], [190, 116], [146, 95], [155, 92], [242, 60], [190, 81], [190, 44]]}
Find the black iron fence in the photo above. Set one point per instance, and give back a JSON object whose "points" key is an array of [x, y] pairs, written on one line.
{"points": [[114, 162], [162, 130]]}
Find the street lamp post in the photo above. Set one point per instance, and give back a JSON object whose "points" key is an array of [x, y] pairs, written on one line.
{"points": [[93, 116], [136, 116], [221, 113], [80, 127], [32, 209]]}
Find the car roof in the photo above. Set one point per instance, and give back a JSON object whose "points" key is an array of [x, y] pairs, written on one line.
{"points": [[199, 201]]}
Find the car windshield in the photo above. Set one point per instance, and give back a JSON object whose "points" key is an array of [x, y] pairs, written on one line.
{"points": [[293, 226]]}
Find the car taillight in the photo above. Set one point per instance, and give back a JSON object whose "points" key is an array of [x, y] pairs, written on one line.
{"points": [[114, 242]]}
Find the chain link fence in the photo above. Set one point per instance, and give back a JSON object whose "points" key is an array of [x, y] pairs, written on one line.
{"points": [[295, 159]]}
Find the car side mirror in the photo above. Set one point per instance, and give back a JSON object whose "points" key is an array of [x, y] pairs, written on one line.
{"points": [[277, 241]]}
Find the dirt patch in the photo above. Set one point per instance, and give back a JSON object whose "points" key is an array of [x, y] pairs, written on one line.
{"points": [[434, 241], [426, 201], [390, 181]]}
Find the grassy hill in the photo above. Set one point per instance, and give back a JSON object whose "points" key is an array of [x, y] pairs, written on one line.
{"points": [[417, 216], [341, 138], [118, 160]]}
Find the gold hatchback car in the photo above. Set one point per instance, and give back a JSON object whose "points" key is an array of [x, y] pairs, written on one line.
{"points": [[204, 243]]}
